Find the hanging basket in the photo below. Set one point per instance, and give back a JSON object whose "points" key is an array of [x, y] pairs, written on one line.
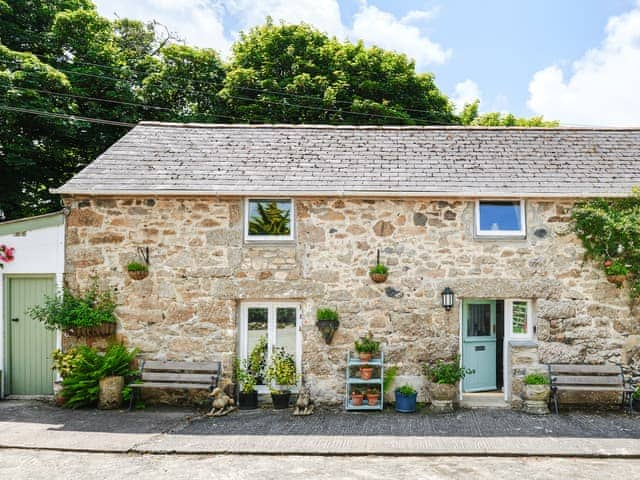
{"points": [[379, 277], [617, 279], [138, 274], [327, 329], [103, 330]]}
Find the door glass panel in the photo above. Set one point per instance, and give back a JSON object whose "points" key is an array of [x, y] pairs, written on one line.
{"points": [[479, 320], [519, 318], [257, 335], [286, 329]]}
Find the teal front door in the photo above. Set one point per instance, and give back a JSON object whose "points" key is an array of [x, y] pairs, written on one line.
{"points": [[479, 344]]}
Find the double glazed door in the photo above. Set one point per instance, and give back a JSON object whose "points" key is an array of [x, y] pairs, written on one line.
{"points": [[267, 326], [479, 344]]}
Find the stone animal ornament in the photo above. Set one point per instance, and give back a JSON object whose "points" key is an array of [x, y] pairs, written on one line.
{"points": [[221, 404], [304, 404]]}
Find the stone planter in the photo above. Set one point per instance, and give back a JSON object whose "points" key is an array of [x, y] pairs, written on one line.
{"points": [[110, 393], [536, 399], [442, 396], [103, 330]]}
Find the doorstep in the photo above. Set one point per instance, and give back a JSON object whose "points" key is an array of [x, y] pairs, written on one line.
{"points": [[484, 400]]}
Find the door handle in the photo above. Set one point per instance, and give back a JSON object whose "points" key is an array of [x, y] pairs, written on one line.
{"points": [[15, 319]]}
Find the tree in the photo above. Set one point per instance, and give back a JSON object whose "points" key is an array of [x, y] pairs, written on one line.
{"points": [[470, 116]]}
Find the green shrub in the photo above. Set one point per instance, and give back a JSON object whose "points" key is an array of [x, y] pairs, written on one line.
{"points": [[327, 314], [389, 376], [367, 345], [536, 379], [406, 390], [244, 377], [258, 358], [616, 267], [137, 267], [448, 373], [636, 394], [81, 385], [68, 311], [379, 268], [282, 369]]}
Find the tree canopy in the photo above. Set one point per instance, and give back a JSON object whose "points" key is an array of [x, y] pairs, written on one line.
{"points": [[73, 82]]}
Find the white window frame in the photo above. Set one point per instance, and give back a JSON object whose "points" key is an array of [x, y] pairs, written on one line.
{"points": [[508, 307], [269, 238], [271, 306], [501, 233]]}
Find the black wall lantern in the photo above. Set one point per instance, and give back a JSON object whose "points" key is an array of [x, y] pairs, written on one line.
{"points": [[447, 298]]}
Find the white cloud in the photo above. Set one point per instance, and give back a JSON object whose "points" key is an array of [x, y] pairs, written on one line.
{"points": [[602, 88], [197, 22], [465, 92], [377, 27], [420, 15]]}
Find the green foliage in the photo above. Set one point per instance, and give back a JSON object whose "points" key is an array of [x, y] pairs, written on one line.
{"points": [[367, 345], [80, 387], [282, 369], [470, 116], [636, 394], [536, 379], [63, 362], [379, 268], [609, 230], [389, 376], [89, 310], [357, 391], [373, 390], [257, 361], [406, 390], [243, 376], [271, 220], [327, 314], [137, 267], [448, 373]]}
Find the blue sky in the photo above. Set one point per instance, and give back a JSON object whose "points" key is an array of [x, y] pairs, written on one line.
{"points": [[577, 61]]}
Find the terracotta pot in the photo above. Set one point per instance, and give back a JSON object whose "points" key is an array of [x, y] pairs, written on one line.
{"points": [[110, 392], [366, 373], [372, 398], [138, 274], [365, 357], [103, 330], [536, 393], [356, 400], [379, 277], [443, 392], [617, 279]]}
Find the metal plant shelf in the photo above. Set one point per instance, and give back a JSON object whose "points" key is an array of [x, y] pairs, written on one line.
{"points": [[353, 362]]}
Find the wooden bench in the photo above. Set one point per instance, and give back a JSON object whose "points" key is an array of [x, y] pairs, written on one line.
{"points": [[176, 375], [589, 378]]}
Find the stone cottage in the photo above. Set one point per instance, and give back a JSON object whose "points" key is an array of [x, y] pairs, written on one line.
{"points": [[251, 229]]}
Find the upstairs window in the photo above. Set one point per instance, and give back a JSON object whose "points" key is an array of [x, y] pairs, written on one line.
{"points": [[269, 219], [500, 218]]}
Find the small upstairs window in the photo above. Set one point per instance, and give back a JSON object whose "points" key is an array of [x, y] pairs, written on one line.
{"points": [[269, 219], [500, 218]]}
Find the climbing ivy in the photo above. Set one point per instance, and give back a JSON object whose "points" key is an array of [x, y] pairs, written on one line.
{"points": [[610, 233]]}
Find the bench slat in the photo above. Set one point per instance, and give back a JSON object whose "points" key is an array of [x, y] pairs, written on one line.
{"points": [[188, 366], [586, 369], [177, 377], [587, 380], [589, 388], [169, 385]]}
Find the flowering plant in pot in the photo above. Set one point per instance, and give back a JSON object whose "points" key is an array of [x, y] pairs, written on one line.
{"points": [[373, 396], [379, 273], [137, 270], [444, 377], [357, 396], [406, 399], [366, 348], [281, 375], [616, 271], [248, 395]]}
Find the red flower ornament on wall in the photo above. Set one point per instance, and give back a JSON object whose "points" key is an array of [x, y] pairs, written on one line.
{"points": [[7, 254]]}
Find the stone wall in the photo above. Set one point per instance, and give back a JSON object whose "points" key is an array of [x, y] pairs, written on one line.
{"points": [[200, 271]]}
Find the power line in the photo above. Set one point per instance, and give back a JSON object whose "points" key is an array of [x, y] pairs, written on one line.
{"points": [[65, 116]]}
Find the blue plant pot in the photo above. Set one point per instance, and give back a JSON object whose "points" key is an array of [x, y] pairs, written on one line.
{"points": [[405, 403]]}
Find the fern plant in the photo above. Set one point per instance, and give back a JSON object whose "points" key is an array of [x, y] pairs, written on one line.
{"points": [[271, 220]]}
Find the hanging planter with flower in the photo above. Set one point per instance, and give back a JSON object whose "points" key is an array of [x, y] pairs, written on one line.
{"points": [[7, 254]]}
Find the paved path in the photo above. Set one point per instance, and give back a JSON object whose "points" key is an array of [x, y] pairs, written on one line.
{"points": [[36, 465], [327, 432]]}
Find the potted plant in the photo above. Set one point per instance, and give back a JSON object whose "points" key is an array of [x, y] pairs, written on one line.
{"points": [[366, 372], [373, 395], [281, 376], [327, 322], [116, 365], [257, 361], [616, 271], [535, 393], [443, 378], [248, 395], [356, 397], [406, 399], [87, 315], [379, 273], [137, 270], [366, 348]]}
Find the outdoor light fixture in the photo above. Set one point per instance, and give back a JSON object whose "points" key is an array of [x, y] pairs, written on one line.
{"points": [[447, 298]]}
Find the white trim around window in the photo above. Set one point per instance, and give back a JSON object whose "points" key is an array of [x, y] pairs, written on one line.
{"points": [[520, 320], [501, 233], [269, 238]]}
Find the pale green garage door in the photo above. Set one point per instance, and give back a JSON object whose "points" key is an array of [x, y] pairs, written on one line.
{"points": [[28, 345]]}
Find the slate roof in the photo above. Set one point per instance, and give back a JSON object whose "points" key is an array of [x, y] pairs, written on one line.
{"points": [[192, 159]]}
